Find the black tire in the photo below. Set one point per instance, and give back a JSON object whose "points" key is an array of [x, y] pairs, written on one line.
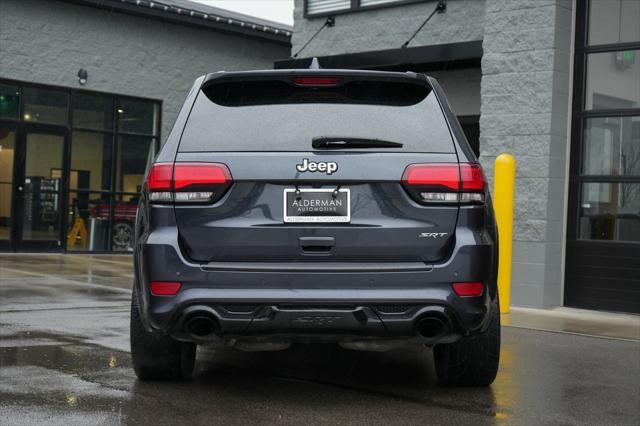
{"points": [[156, 357], [471, 361]]}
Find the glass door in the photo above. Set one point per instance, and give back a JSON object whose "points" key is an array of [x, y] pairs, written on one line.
{"points": [[37, 190], [603, 233], [8, 135]]}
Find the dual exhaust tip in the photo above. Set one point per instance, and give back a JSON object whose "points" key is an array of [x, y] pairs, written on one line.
{"points": [[201, 327], [432, 326]]}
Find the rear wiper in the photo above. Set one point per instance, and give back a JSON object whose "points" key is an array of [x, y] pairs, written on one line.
{"points": [[336, 142]]}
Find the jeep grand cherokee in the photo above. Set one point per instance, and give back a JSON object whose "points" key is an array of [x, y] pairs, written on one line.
{"points": [[332, 206]]}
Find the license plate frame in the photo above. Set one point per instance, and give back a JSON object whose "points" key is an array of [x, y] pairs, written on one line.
{"points": [[310, 218]]}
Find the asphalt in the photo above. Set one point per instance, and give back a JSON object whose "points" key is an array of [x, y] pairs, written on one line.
{"points": [[64, 360]]}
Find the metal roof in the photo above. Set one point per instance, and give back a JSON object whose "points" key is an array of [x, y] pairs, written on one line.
{"points": [[192, 13]]}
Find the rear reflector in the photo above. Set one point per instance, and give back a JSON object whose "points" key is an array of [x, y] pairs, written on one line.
{"points": [[188, 182], [317, 81], [469, 289], [165, 288], [445, 183]]}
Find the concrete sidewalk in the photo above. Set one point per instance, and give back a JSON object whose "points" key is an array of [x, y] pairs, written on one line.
{"points": [[575, 321]]}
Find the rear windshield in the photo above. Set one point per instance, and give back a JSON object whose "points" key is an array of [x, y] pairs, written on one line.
{"points": [[279, 116]]}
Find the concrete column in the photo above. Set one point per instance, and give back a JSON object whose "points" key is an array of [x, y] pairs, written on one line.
{"points": [[525, 96]]}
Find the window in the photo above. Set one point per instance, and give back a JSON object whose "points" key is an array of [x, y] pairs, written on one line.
{"points": [[324, 6], [45, 106], [613, 80], [7, 148], [611, 146], [606, 121], [137, 116], [9, 101], [610, 211], [111, 141], [614, 21], [91, 155], [330, 7], [266, 116], [132, 162], [92, 111]]}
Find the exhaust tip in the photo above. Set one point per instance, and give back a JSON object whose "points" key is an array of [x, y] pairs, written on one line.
{"points": [[201, 326], [431, 326]]}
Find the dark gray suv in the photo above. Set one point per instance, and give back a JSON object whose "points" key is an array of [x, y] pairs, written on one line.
{"points": [[314, 205]]}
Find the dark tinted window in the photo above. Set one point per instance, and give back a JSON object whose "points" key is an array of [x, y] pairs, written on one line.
{"points": [[137, 116], [281, 117], [45, 105], [368, 92], [9, 101], [92, 111]]}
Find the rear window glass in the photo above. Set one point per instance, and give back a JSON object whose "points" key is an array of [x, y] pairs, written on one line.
{"points": [[278, 116], [247, 93]]}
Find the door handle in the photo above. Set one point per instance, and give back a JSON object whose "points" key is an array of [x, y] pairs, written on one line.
{"points": [[316, 244]]}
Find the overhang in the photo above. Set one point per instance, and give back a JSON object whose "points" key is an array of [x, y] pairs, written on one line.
{"points": [[453, 55]]}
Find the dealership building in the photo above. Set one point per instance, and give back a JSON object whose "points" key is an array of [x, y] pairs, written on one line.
{"points": [[89, 88]]}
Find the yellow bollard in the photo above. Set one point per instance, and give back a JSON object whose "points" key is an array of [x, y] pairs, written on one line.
{"points": [[503, 200]]}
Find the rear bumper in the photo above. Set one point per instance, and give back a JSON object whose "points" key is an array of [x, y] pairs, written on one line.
{"points": [[316, 301]]}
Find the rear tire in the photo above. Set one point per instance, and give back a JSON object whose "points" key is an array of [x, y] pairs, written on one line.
{"points": [[156, 357], [471, 361]]}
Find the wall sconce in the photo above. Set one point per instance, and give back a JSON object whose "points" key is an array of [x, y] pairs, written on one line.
{"points": [[82, 76]]}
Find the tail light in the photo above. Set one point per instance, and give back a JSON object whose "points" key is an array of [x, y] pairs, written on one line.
{"points": [[445, 183], [188, 182], [468, 289]]}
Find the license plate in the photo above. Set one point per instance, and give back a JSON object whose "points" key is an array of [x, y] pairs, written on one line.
{"points": [[317, 205]]}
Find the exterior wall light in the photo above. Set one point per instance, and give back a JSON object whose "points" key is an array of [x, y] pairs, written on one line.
{"points": [[82, 76]]}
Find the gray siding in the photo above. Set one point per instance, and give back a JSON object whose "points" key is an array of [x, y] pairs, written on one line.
{"points": [[525, 98], [48, 42], [388, 28]]}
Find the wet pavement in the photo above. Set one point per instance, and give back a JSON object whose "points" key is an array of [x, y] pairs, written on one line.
{"points": [[64, 360]]}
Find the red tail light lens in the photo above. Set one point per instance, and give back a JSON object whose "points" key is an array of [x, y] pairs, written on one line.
{"points": [[199, 175], [159, 178], [188, 182], [445, 183], [446, 176], [164, 288], [317, 81], [472, 177], [469, 289]]}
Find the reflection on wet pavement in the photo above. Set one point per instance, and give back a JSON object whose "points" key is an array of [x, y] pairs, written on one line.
{"points": [[64, 361]]}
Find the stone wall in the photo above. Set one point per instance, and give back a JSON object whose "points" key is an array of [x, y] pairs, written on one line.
{"points": [[388, 28], [525, 94]]}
